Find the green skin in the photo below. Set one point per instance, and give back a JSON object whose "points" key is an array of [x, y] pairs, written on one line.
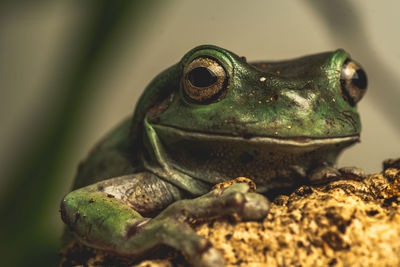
{"points": [[276, 128]]}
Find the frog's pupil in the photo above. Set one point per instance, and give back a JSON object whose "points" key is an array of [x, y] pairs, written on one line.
{"points": [[359, 79], [202, 77]]}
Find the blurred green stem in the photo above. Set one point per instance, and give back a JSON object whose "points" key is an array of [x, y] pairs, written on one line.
{"points": [[23, 218]]}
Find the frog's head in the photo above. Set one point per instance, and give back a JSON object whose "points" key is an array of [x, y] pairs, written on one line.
{"points": [[216, 92], [214, 116]]}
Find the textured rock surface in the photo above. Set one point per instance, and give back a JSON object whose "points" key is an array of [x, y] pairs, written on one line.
{"points": [[342, 223]]}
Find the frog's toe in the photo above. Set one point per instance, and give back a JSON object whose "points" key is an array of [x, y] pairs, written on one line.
{"points": [[324, 174], [352, 173], [237, 188], [256, 207], [327, 174], [210, 258], [248, 206], [226, 184]]}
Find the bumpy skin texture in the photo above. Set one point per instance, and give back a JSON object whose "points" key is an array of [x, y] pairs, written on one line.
{"points": [[275, 123]]}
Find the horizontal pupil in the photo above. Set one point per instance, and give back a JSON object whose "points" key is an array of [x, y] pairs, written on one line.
{"points": [[201, 77], [359, 79]]}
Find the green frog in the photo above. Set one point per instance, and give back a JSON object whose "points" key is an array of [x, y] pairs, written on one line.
{"points": [[206, 120]]}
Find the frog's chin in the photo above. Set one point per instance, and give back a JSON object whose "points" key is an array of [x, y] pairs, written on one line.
{"points": [[294, 142]]}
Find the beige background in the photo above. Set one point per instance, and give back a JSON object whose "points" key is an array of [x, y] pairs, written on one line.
{"points": [[36, 42]]}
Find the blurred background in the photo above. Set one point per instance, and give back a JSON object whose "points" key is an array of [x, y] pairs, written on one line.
{"points": [[71, 70]]}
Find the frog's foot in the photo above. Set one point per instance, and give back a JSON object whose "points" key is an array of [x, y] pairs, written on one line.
{"points": [[327, 174], [236, 200], [109, 224], [107, 221], [172, 226]]}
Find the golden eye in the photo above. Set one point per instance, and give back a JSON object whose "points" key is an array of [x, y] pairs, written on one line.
{"points": [[353, 80], [204, 79]]}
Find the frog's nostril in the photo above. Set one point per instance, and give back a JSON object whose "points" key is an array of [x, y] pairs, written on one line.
{"points": [[353, 81]]}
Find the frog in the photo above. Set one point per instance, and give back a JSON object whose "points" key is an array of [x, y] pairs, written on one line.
{"points": [[198, 125]]}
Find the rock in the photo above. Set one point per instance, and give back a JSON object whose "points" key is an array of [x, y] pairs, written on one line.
{"points": [[342, 223]]}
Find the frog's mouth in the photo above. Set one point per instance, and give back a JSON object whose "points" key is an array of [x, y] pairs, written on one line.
{"points": [[299, 142]]}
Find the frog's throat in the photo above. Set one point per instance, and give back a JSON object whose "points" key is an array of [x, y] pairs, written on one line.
{"points": [[306, 143], [155, 159]]}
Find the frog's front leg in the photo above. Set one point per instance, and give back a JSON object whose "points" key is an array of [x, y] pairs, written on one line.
{"points": [[105, 215]]}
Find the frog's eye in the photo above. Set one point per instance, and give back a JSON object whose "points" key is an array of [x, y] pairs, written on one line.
{"points": [[204, 79], [353, 80]]}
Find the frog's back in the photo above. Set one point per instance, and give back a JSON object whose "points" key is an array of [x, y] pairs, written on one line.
{"points": [[111, 157], [117, 153]]}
